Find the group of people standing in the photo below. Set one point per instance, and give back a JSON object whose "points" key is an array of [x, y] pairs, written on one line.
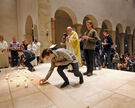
{"points": [[71, 53], [96, 52], [14, 48]]}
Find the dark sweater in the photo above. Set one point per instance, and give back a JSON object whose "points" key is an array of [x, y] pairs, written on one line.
{"points": [[27, 54], [108, 40]]}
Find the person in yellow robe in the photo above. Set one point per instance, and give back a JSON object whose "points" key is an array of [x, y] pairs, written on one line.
{"points": [[73, 44]]}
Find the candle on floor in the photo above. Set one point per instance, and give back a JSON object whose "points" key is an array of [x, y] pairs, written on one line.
{"points": [[31, 79], [7, 75], [41, 82], [26, 85], [27, 76], [6, 78], [17, 84], [11, 80]]}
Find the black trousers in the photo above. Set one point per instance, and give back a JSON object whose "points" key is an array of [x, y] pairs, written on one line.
{"points": [[75, 71], [108, 58], [89, 57], [37, 59], [14, 55], [27, 62]]}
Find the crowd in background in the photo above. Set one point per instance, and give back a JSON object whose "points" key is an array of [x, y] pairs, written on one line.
{"points": [[89, 50], [105, 56], [12, 58]]}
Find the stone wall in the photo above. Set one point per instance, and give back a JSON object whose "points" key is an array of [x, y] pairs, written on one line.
{"points": [[116, 11], [8, 19]]}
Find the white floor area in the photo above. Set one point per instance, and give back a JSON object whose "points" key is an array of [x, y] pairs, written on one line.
{"points": [[105, 89]]}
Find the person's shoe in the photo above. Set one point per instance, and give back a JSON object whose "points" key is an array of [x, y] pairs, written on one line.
{"points": [[99, 67], [89, 74], [81, 79], [32, 70], [70, 71], [85, 73], [64, 84]]}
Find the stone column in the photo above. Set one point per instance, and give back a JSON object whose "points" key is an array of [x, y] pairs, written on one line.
{"points": [[134, 45], [113, 34], [53, 30], [98, 31], [35, 32], [121, 43], [130, 44], [78, 28], [44, 23]]}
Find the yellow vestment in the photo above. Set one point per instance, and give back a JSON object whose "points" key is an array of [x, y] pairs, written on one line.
{"points": [[74, 45]]}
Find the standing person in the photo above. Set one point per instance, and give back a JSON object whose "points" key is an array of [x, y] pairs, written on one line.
{"points": [[24, 45], [61, 58], [63, 41], [33, 48], [14, 46], [26, 57], [115, 60], [37, 50], [106, 49], [97, 61], [3, 53], [73, 44], [90, 38]]}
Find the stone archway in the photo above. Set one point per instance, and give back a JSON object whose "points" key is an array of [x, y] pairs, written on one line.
{"points": [[89, 17], [105, 25], [62, 21], [29, 34], [128, 41], [118, 38]]}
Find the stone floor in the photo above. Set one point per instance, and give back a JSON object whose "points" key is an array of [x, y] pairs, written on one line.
{"points": [[105, 89]]}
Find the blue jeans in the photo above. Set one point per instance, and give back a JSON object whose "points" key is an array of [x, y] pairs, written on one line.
{"points": [[97, 59], [108, 57]]}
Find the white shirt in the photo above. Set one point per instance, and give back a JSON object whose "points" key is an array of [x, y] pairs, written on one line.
{"points": [[38, 49], [3, 45], [32, 47]]}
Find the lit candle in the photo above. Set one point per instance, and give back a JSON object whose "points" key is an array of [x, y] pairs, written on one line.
{"points": [[26, 85], [31, 79], [41, 82], [17, 84], [7, 75], [6, 78], [11, 80]]}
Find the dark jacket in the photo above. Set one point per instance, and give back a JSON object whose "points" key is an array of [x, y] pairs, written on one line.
{"points": [[98, 45], [90, 43], [108, 40], [27, 55]]}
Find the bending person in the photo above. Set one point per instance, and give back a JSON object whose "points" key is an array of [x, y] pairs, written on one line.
{"points": [[26, 57], [61, 58]]}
